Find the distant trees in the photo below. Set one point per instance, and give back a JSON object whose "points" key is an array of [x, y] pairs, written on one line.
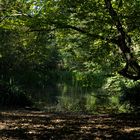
{"points": [[74, 26], [43, 42]]}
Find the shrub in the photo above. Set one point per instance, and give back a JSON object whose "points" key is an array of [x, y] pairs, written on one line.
{"points": [[13, 96], [131, 97]]}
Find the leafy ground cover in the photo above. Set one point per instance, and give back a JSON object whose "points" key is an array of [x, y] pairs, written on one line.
{"points": [[39, 125]]}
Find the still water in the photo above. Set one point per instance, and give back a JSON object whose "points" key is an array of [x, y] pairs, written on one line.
{"points": [[67, 98]]}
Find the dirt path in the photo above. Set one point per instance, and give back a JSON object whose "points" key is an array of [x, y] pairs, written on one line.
{"points": [[38, 125]]}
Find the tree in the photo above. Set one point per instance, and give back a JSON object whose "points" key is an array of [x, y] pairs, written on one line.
{"points": [[89, 32], [132, 68]]}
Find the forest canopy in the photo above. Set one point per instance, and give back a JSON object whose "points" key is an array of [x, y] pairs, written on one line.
{"points": [[102, 32], [88, 41]]}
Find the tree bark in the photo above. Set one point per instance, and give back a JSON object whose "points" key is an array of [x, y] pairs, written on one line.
{"points": [[132, 68]]}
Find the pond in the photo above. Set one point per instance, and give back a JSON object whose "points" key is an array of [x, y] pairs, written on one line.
{"points": [[62, 97]]}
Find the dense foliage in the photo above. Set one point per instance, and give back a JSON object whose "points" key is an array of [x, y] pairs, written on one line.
{"points": [[71, 45]]}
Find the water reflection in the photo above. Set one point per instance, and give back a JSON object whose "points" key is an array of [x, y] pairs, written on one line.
{"points": [[64, 97]]}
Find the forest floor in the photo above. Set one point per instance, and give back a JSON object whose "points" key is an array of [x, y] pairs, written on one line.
{"points": [[39, 125]]}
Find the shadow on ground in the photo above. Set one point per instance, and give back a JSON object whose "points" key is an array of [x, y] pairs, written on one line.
{"points": [[38, 125]]}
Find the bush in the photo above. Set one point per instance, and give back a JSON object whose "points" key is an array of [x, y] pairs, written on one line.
{"points": [[131, 97], [12, 96]]}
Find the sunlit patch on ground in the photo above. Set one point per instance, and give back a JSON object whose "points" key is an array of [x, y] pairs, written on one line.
{"points": [[38, 125], [3, 126], [130, 129]]}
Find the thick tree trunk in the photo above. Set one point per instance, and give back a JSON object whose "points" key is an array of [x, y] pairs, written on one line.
{"points": [[132, 68]]}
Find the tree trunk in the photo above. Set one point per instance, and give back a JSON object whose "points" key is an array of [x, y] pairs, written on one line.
{"points": [[132, 68]]}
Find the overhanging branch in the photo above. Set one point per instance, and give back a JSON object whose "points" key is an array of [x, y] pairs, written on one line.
{"points": [[60, 25], [132, 68]]}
